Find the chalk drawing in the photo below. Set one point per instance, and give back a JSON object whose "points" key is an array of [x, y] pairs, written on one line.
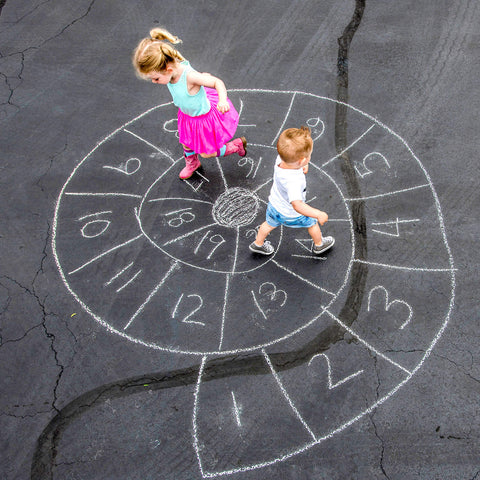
{"points": [[103, 194], [124, 168], [285, 394], [332, 385], [313, 124], [277, 298], [392, 193], [336, 157], [236, 410], [202, 233], [270, 290], [282, 126], [185, 216], [250, 162], [196, 309], [392, 227], [120, 273], [388, 304], [150, 296], [215, 238], [362, 169], [170, 126], [102, 225]]}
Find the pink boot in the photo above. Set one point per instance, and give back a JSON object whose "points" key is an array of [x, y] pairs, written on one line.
{"points": [[192, 163], [239, 145]]}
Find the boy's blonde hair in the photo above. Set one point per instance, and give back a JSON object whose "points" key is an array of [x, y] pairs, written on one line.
{"points": [[154, 54], [294, 144]]}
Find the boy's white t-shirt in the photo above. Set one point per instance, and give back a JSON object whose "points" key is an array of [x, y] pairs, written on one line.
{"points": [[288, 185]]}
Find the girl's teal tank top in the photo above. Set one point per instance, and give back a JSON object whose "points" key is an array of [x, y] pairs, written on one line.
{"points": [[193, 105]]}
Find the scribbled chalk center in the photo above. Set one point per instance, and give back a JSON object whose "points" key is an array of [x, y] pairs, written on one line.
{"points": [[165, 263]]}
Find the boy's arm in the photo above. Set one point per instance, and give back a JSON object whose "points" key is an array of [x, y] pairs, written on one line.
{"points": [[304, 209]]}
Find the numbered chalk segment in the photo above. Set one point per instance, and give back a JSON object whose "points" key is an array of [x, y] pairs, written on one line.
{"points": [[334, 386], [177, 310], [402, 232], [383, 164], [94, 226], [262, 116], [233, 425], [263, 308], [319, 117], [395, 317], [158, 128], [120, 168]]}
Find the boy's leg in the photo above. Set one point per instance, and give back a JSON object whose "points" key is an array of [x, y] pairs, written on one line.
{"points": [[260, 245], [263, 232], [316, 234], [320, 243]]}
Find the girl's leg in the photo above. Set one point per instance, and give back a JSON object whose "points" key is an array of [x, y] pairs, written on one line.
{"points": [[192, 163], [239, 145], [316, 234], [263, 232]]}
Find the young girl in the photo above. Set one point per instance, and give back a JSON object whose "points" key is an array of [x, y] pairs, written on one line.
{"points": [[207, 119]]}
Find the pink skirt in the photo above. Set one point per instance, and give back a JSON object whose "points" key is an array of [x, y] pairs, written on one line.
{"points": [[209, 132]]}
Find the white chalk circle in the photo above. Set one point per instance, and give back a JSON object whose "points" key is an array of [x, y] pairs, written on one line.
{"points": [[165, 263]]}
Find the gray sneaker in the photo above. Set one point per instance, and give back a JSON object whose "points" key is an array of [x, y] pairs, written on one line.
{"points": [[265, 249], [327, 243]]}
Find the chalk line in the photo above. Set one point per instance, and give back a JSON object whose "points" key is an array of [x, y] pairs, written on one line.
{"points": [[118, 274], [129, 281], [149, 144], [285, 119], [236, 410], [195, 413], [159, 199], [151, 295], [258, 305], [285, 394], [370, 347], [349, 146], [94, 259], [332, 385], [395, 192], [96, 214], [106, 194], [188, 234], [225, 297], [262, 185], [318, 287], [400, 267], [225, 184]]}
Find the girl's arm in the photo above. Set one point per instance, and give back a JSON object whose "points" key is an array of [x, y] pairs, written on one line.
{"points": [[196, 79]]}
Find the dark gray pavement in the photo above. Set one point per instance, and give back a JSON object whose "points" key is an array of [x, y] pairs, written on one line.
{"points": [[139, 338]]}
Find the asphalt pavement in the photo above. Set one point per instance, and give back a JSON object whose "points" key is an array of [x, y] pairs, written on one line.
{"points": [[139, 336]]}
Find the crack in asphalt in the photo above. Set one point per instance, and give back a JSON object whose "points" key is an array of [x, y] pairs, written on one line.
{"points": [[459, 366], [382, 444], [12, 89], [18, 20]]}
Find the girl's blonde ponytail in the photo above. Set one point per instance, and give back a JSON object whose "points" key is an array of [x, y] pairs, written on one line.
{"points": [[156, 52]]}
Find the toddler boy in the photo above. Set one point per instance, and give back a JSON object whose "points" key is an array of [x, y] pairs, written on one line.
{"points": [[286, 203]]}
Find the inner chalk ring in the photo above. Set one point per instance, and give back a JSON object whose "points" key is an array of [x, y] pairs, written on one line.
{"points": [[235, 207]]}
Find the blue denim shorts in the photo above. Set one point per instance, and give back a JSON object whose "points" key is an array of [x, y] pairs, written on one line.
{"points": [[275, 219]]}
